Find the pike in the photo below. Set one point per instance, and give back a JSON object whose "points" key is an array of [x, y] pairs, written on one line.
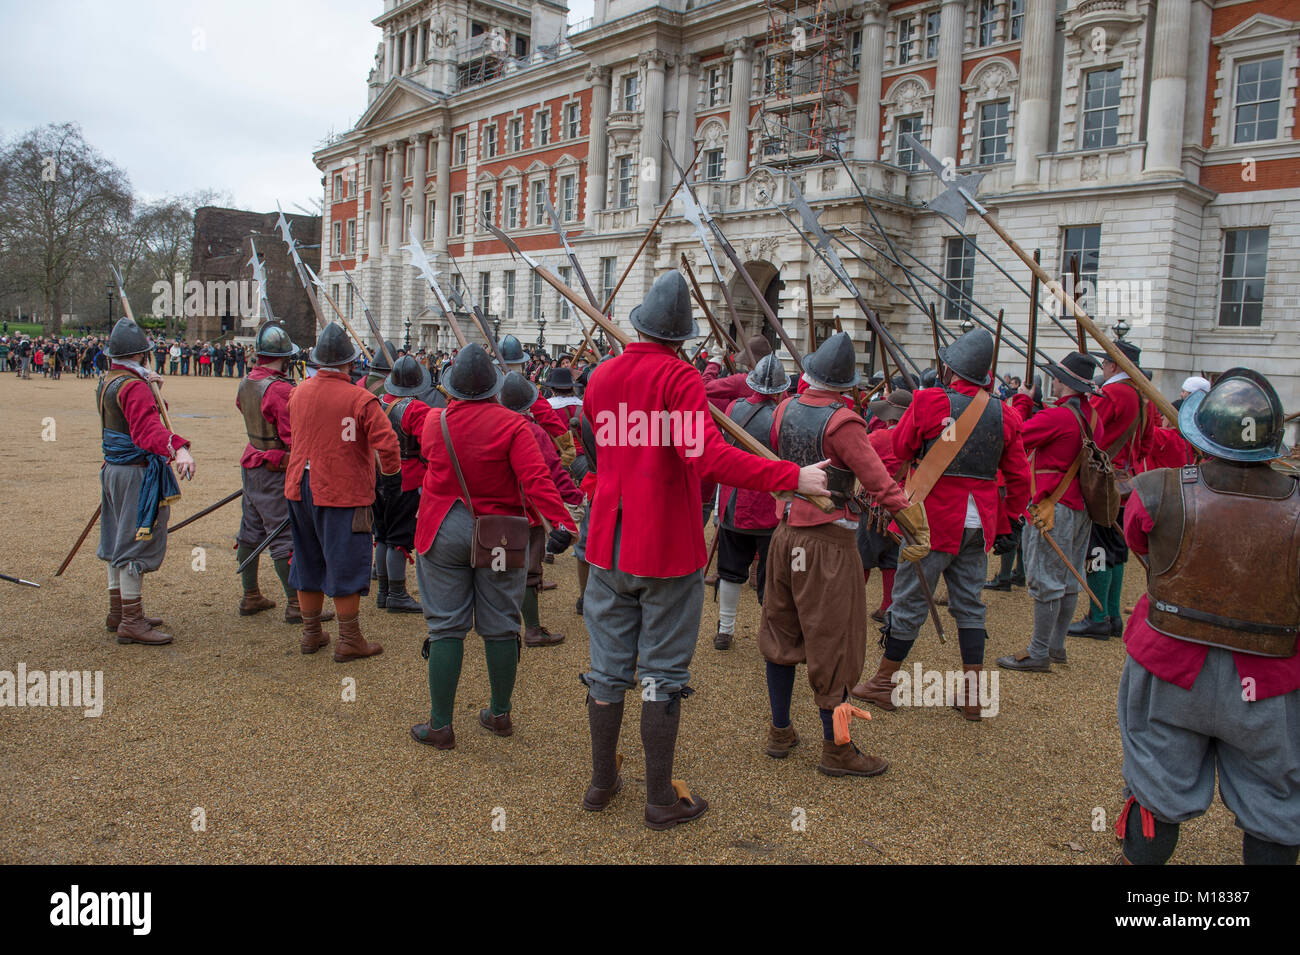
{"points": [[959, 195], [934, 335], [997, 342], [299, 266], [205, 512], [741, 436], [568, 250], [420, 262], [727, 339], [343, 319], [262, 546], [365, 310], [19, 580], [80, 540], [259, 276], [1033, 324], [1079, 291]]}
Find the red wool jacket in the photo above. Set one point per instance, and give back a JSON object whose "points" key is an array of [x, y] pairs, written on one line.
{"points": [[497, 452], [1116, 407], [1169, 449], [338, 429], [1052, 441], [725, 389], [413, 424], [1178, 661], [656, 483], [148, 433], [945, 506], [275, 408], [550, 420]]}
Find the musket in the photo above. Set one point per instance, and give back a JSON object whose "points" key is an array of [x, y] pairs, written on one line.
{"points": [[960, 195], [262, 546], [19, 580], [1079, 291], [839, 327], [77, 546], [741, 436], [205, 512], [997, 342], [1033, 325], [810, 343]]}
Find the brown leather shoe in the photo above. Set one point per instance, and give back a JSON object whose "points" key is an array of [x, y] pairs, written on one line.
{"points": [[293, 612], [546, 585], [722, 641], [313, 637], [444, 738], [115, 612], [972, 711], [352, 645], [848, 760], [496, 725], [781, 741], [686, 808], [133, 628], [253, 602], [597, 797], [539, 636], [879, 690]]}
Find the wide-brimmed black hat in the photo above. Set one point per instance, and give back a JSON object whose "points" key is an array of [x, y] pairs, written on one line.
{"points": [[891, 408], [561, 379], [1075, 371]]}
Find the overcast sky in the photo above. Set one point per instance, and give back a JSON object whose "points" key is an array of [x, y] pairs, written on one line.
{"points": [[231, 95]]}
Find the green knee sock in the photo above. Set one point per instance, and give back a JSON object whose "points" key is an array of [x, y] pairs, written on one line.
{"points": [[502, 664], [282, 571], [1116, 588], [530, 608], [1099, 584], [444, 676], [249, 574]]}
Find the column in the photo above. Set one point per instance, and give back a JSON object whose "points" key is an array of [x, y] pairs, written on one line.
{"points": [[442, 193], [597, 142], [944, 136], [684, 142], [652, 127], [421, 160], [1168, 99], [395, 198], [390, 56], [375, 177], [867, 130], [1034, 107], [738, 123], [1198, 65]]}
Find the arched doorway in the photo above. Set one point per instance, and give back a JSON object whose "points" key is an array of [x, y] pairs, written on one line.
{"points": [[767, 278]]}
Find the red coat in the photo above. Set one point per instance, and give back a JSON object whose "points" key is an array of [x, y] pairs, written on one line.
{"points": [[338, 429], [548, 418], [724, 390], [148, 433], [497, 453], [1178, 661], [657, 485], [945, 506], [1116, 407], [753, 508], [569, 493], [275, 408], [1169, 449], [413, 424], [1052, 441]]}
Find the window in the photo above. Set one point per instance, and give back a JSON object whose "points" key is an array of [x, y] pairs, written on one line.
{"points": [[631, 91], [521, 47], [408, 166], [339, 192], [542, 128], [508, 278], [1082, 243], [388, 165], [485, 290], [516, 134], [1259, 95], [490, 140], [566, 276], [1101, 109], [1016, 22], [716, 83], [573, 120], [512, 207], [959, 270], [536, 291], [906, 41], [932, 35], [351, 300], [623, 183], [336, 238], [608, 277], [903, 155], [855, 50], [993, 132], [383, 224], [429, 213], [538, 202], [350, 230], [988, 21], [485, 209], [460, 148], [568, 198], [458, 215], [1245, 259], [776, 76], [408, 213], [713, 165]]}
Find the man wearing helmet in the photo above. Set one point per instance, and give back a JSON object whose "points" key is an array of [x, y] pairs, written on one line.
{"points": [[1212, 680]]}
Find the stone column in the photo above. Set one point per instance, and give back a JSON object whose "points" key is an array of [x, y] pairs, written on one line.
{"points": [[738, 123], [946, 132], [421, 160], [1198, 65], [390, 56], [395, 198], [684, 142], [652, 127], [442, 187], [1034, 106], [1168, 99], [597, 142], [376, 180], [867, 129]]}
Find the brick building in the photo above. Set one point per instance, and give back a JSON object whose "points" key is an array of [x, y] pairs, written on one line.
{"points": [[1155, 141]]}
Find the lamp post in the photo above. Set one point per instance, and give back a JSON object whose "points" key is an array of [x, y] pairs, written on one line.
{"points": [[408, 335], [1122, 328], [496, 326], [541, 330], [108, 286]]}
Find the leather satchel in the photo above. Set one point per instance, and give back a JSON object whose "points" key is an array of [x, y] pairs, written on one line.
{"points": [[1098, 482], [496, 536]]}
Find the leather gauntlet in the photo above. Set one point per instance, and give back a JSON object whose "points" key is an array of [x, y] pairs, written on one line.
{"points": [[913, 520]]}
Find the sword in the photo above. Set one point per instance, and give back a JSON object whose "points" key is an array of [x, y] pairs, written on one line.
{"points": [[18, 580], [262, 546], [205, 512], [77, 546]]}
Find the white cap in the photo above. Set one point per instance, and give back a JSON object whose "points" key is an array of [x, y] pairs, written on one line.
{"points": [[1195, 383]]}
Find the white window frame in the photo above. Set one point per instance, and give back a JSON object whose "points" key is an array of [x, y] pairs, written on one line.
{"points": [[460, 149], [541, 128], [458, 214]]}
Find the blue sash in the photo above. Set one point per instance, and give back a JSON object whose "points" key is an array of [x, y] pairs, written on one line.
{"points": [[159, 485]]}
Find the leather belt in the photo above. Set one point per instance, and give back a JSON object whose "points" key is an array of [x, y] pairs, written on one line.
{"points": [[1231, 623]]}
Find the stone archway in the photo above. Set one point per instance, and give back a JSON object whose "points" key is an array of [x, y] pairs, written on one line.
{"points": [[767, 278]]}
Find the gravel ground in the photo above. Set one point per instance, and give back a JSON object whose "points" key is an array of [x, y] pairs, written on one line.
{"points": [[231, 720]]}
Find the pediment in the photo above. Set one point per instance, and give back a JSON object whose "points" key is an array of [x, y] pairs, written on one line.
{"points": [[1260, 25], [399, 98]]}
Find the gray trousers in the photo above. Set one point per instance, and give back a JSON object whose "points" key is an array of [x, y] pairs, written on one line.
{"points": [[120, 495], [642, 631], [1048, 578], [1175, 739], [964, 573], [458, 598], [264, 507]]}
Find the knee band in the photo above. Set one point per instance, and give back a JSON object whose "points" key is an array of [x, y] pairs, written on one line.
{"points": [[1147, 840]]}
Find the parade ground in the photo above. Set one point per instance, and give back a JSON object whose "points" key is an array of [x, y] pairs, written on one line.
{"points": [[229, 745]]}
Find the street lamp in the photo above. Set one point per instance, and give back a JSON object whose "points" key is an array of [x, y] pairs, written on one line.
{"points": [[966, 324], [109, 287], [541, 330], [408, 335], [1122, 328]]}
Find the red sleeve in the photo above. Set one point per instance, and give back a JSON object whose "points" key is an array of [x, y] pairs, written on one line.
{"points": [[526, 461], [1023, 404], [711, 371], [413, 419], [848, 442], [147, 430], [381, 436], [1137, 524], [548, 418], [563, 483], [1014, 465], [908, 437]]}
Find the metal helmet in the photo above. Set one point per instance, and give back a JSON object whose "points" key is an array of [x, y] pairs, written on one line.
{"points": [[408, 377], [127, 338], [334, 347], [273, 341], [834, 364], [518, 393], [970, 356], [665, 313], [1239, 419], [512, 351], [384, 356], [473, 376], [768, 376], [929, 378]]}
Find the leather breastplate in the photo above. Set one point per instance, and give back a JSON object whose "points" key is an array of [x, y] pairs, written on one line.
{"points": [[111, 416], [980, 455], [407, 444], [1225, 556], [800, 439], [262, 433]]}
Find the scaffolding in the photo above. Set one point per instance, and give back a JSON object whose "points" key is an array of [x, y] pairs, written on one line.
{"points": [[806, 63]]}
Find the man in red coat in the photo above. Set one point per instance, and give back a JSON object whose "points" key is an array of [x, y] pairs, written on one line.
{"points": [[960, 454], [654, 441]]}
